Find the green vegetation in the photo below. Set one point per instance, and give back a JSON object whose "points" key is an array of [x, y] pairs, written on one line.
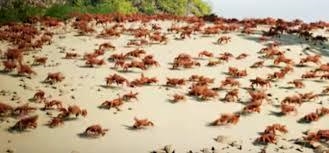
{"points": [[20, 10], [200, 8]]}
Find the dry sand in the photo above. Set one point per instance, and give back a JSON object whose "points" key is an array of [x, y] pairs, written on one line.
{"points": [[184, 125]]}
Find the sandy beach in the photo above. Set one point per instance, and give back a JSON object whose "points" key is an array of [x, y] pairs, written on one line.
{"points": [[185, 124]]}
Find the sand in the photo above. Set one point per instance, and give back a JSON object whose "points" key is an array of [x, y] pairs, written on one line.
{"points": [[183, 125]]}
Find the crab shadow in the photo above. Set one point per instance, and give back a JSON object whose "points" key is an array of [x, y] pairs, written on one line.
{"points": [[85, 136], [287, 88], [302, 143], [258, 143], [4, 72], [290, 39], [202, 100], [273, 66], [323, 94], [33, 100], [13, 130], [199, 58], [15, 75], [48, 125], [208, 35], [73, 59], [277, 114], [37, 64], [216, 43], [127, 71], [301, 66], [110, 87], [171, 101], [170, 86], [226, 73], [249, 88], [319, 81], [212, 124], [132, 128], [218, 89], [179, 39], [71, 119], [86, 66], [46, 82], [115, 110], [303, 121]]}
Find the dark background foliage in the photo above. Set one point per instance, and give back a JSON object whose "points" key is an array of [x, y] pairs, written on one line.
{"points": [[20, 10]]}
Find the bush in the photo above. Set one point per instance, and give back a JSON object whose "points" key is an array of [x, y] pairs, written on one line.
{"points": [[124, 6], [202, 8], [20, 10], [177, 7], [61, 11]]}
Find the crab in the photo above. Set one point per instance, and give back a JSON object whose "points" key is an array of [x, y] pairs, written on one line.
{"points": [[276, 127], [286, 109], [308, 96], [113, 103], [94, 61], [225, 119], [325, 90], [139, 123], [130, 96], [25, 123], [258, 95], [242, 56], [253, 106], [260, 81], [282, 58], [232, 95], [310, 74], [208, 93], [317, 136], [74, 110], [325, 76], [311, 58], [106, 46], [223, 39], [50, 104], [205, 53], [230, 82], [115, 78], [297, 83], [39, 96], [175, 81], [5, 109], [9, 65], [55, 121], [149, 61], [23, 110], [71, 55], [258, 64], [25, 69], [55, 77], [297, 99], [178, 97], [40, 60], [313, 116], [267, 138], [95, 131]]}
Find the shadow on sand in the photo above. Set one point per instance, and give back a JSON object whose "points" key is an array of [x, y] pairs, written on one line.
{"points": [[289, 39]]}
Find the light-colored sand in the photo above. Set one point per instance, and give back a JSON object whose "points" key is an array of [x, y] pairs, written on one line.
{"points": [[184, 125]]}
